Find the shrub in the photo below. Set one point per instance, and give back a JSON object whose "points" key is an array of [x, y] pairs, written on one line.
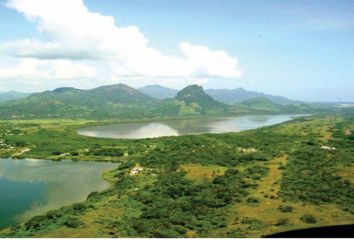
{"points": [[236, 233], [311, 142], [126, 165], [254, 224], [21, 144], [93, 195], [72, 222], [57, 153], [252, 200], [109, 152], [35, 222], [285, 208], [231, 171], [79, 207], [75, 153], [281, 167], [256, 172], [281, 221], [54, 214], [308, 218]]}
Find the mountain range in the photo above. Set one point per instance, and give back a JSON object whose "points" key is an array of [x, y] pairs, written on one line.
{"points": [[123, 101], [12, 95], [228, 96], [111, 101], [158, 91], [238, 95]]}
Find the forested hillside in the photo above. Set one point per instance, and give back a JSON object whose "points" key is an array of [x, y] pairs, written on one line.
{"points": [[123, 102]]}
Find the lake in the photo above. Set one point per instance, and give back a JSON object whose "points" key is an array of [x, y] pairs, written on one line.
{"points": [[32, 187], [180, 127]]}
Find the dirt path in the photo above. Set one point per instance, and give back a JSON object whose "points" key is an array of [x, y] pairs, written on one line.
{"points": [[21, 152]]}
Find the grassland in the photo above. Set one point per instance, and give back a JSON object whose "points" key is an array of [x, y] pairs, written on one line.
{"points": [[249, 184]]}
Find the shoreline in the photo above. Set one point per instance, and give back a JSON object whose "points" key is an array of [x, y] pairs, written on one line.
{"points": [[75, 126], [103, 176]]}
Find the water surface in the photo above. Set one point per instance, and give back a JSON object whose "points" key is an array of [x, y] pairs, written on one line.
{"points": [[183, 126], [32, 187]]}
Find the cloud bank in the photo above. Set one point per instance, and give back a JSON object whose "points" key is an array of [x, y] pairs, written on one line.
{"points": [[77, 44]]}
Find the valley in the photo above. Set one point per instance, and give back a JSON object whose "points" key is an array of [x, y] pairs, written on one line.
{"points": [[246, 184]]}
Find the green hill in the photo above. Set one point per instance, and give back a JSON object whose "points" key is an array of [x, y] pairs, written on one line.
{"points": [[264, 105], [261, 103], [193, 100], [108, 101], [115, 101]]}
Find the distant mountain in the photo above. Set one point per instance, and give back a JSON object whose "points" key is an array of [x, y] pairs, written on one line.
{"points": [[228, 96], [120, 94], [12, 95], [108, 101], [238, 95], [158, 91], [124, 102], [266, 106], [194, 99], [262, 104]]}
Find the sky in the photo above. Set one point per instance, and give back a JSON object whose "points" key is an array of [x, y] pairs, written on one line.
{"points": [[299, 49]]}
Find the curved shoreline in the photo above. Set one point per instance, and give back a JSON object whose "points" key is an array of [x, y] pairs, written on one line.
{"points": [[102, 175], [179, 131]]}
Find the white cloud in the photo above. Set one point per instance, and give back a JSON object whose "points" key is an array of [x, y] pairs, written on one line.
{"points": [[36, 69], [209, 63], [82, 44]]}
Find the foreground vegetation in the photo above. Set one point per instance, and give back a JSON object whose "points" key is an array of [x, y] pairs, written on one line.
{"points": [[249, 184]]}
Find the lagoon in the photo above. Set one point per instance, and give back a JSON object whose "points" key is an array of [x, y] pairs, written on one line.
{"points": [[178, 127], [31, 187]]}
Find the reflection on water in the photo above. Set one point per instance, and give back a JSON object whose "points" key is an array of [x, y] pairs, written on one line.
{"points": [[183, 127], [148, 130], [32, 187]]}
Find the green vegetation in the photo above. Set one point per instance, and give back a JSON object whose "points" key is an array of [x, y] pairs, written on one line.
{"points": [[263, 104], [173, 205], [246, 184], [311, 177], [285, 208], [308, 218], [194, 97], [123, 102], [117, 101]]}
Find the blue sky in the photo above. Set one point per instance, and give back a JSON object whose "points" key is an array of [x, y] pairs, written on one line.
{"points": [[299, 49]]}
